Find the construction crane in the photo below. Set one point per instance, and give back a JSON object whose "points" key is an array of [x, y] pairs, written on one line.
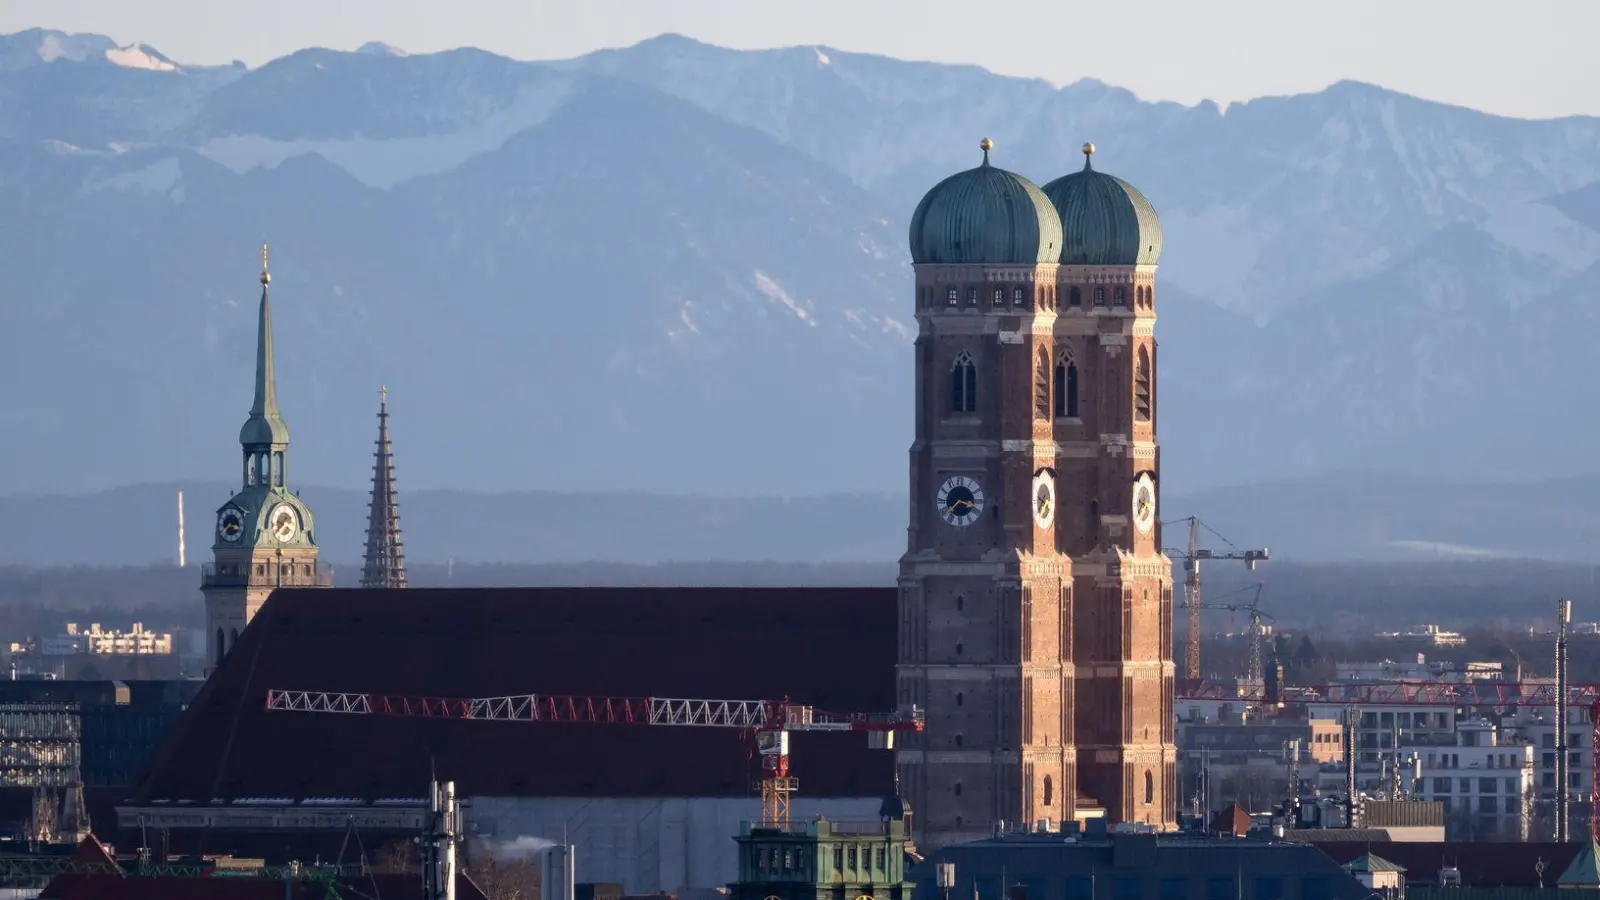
{"points": [[1478, 694], [769, 721], [1254, 669], [1192, 557]]}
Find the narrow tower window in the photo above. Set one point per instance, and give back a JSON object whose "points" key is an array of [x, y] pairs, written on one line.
{"points": [[1049, 790], [1016, 296], [1066, 387], [1119, 297], [964, 385], [1149, 787], [1141, 387], [1075, 298], [1099, 296], [999, 296], [221, 646], [1041, 386]]}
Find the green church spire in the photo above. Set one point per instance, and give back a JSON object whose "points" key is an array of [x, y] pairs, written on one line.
{"points": [[265, 429]]}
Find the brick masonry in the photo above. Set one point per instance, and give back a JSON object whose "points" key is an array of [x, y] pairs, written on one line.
{"points": [[1036, 640]]}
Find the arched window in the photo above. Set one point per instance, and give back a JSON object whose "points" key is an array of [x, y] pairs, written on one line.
{"points": [[233, 640], [221, 647], [1041, 386], [1099, 296], [1017, 296], [1049, 791], [951, 295], [964, 384], [1066, 386], [1119, 297], [972, 296], [1075, 298], [1149, 787], [999, 296], [1141, 387]]}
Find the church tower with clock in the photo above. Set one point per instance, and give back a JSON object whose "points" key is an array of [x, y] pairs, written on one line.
{"points": [[1035, 601], [264, 536]]}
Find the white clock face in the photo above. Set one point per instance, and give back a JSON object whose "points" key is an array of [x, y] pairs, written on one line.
{"points": [[1044, 499], [960, 500], [283, 523], [230, 525], [1144, 503]]}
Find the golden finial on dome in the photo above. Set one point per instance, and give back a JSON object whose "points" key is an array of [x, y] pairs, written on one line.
{"points": [[986, 145], [1088, 151], [266, 279]]}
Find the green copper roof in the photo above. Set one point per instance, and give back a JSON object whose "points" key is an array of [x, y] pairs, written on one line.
{"points": [[1105, 220], [1372, 863], [1585, 868], [265, 427], [985, 215]]}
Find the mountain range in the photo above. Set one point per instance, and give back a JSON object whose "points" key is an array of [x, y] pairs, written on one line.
{"points": [[676, 269]]}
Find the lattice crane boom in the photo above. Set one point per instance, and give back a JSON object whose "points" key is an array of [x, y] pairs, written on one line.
{"points": [[770, 721], [1191, 557]]}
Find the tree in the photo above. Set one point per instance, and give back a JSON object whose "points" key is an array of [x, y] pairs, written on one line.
{"points": [[510, 879], [395, 856]]}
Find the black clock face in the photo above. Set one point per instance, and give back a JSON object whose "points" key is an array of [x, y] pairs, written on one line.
{"points": [[959, 501], [230, 525]]}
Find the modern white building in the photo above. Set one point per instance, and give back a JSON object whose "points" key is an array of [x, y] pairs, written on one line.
{"points": [[1485, 786]]}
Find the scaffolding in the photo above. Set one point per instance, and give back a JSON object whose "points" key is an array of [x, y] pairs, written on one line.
{"points": [[40, 748], [40, 744]]}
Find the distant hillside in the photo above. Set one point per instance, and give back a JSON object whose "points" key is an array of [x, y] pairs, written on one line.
{"points": [[1337, 601], [1335, 518]]}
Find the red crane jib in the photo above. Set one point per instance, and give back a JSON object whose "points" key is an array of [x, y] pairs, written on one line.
{"points": [[755, 715], [1404, 693]]}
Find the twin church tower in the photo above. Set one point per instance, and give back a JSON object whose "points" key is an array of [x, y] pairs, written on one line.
{"points": [[1035, 600]]}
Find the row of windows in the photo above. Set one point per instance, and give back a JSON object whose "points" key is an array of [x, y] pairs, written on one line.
{"points": [[1055, 391], [1099, 297], [1485, 785], [853, 859]]}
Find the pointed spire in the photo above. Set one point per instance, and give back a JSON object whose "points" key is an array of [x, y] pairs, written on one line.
{"points": [[385, 565], [265, 427]]}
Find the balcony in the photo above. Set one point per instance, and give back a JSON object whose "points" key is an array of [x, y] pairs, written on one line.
{"points": [[267, 573]]}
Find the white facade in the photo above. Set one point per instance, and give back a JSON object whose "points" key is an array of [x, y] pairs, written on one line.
{"points": [[1490, 782], [683, 845]]}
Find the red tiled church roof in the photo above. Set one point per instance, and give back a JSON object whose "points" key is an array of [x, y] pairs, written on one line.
{"points": [[833, 648]]}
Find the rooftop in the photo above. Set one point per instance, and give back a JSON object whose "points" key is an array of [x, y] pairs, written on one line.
{"points": [[830, 647]]}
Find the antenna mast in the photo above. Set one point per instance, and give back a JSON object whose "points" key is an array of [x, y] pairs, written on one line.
{"points": [[1563, 789], [182, 560]]}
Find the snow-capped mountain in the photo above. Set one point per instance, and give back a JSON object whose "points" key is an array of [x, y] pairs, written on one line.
{"points": [[679, 268]]}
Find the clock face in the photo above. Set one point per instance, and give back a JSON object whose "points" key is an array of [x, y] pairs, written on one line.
{"points": [[283, 523], [960, 500], [1144, 503], [230, 525], [1044, 499]]}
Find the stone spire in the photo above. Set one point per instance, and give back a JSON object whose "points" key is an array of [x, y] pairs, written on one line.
{"points": [[386, 559], [265, 428]]}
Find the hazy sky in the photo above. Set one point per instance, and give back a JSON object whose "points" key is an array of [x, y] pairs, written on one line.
{"points": [[1532, 58]]}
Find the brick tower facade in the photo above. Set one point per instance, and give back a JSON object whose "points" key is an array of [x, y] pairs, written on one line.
{"points": [[1035, 600]]}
